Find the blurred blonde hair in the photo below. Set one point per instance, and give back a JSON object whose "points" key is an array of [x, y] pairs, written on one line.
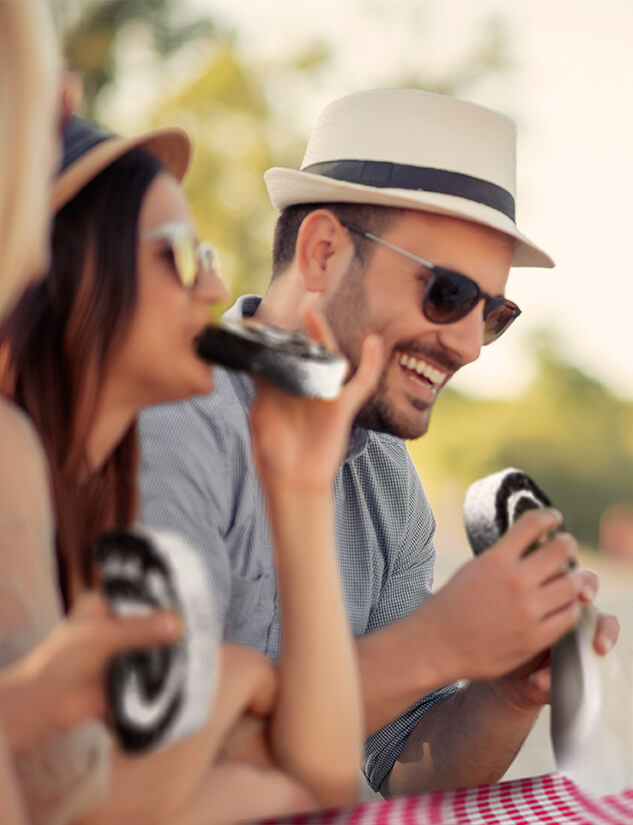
{"points": [[29, 77]]}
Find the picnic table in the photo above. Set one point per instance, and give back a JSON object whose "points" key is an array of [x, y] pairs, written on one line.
{"points": [[551, 798]]}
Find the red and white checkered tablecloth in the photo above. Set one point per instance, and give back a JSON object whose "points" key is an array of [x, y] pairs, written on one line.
{"points": [[551, 799]]}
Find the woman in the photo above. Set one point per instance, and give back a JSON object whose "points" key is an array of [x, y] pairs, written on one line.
{"points": [[50, 670], [29, 71], [111, 331]]}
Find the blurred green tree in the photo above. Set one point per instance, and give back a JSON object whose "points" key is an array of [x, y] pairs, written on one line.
{"points": [[567, 431], [241, 111], [226, 110], [91, 30]]}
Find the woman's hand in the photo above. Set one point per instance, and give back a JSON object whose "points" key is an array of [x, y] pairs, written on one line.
{"points": [[60, 682]]}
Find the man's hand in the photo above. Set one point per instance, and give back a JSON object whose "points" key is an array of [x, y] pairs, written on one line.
{"points": [[503, 608], [529, 686], [496, 713]]}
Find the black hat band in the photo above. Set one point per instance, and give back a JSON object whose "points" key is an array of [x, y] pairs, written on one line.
{"points": [[387, 175]]}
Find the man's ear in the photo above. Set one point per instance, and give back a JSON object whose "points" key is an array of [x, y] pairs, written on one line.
{"points": [[323, 251]]}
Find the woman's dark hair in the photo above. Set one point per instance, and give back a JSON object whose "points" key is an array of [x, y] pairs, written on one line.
{"points": [[56, 348]]}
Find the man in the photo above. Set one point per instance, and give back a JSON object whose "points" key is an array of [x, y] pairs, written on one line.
{"points": [[400, 222]]}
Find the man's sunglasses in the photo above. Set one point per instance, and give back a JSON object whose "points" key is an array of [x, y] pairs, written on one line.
{"points": [[450, 296], [194, 262]]}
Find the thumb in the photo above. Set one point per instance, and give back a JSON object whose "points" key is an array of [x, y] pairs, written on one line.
{"points": [[541, 680]]}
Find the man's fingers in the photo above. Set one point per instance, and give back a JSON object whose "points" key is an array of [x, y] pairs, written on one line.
{"points": [[530, 527], [588, 587], [560, 622], [559, 592], [550, 560], [541, 680], [606, 633]]}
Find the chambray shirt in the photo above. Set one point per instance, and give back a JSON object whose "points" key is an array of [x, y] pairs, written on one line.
{"points": [[198, 480]]}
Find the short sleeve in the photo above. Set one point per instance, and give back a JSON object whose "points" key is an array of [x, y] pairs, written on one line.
{"points": [[184, 486], [407, 585], [67, 774]]}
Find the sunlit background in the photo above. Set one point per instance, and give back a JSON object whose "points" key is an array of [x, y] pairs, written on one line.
{"points": [[247, 78]]}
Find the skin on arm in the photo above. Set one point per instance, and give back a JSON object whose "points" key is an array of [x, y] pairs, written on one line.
{"points": [[496, 714], [244, 784], [196, 780], [298, 443], [497, 611], [490, 624], [237, 792], [469, 739], [12, 809]]}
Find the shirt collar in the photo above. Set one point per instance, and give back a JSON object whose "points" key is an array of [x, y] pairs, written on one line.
{"points": [[246, 307]]}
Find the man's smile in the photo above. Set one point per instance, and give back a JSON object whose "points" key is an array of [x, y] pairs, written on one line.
{"points": [[420, 371]]}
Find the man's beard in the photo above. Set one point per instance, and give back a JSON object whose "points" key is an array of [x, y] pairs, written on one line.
{"points": [[378, 414], [350, 328]]}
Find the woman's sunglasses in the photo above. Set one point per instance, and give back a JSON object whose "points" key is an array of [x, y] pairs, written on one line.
{"points": [[450, 296], [194, 262]]}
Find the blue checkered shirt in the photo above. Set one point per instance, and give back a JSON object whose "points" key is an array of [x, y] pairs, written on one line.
{"points": [[198, 479]]}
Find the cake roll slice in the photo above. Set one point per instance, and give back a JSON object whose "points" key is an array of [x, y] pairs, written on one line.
{"points": [[161, 694], [287, 358]]}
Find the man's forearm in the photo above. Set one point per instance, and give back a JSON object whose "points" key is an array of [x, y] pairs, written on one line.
{"points": [[469, 739], [398, 664]]}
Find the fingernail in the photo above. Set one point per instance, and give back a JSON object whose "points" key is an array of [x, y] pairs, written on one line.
{"points": [[605, 645]]}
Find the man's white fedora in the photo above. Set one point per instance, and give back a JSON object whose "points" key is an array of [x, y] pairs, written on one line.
{"points": [[413, 149]]}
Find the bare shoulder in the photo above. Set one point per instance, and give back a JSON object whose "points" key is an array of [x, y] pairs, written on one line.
{"points": [[24, 481]]}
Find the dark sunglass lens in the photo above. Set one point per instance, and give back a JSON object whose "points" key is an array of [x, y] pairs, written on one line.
{"points": [[449, 296], [497, 320]]}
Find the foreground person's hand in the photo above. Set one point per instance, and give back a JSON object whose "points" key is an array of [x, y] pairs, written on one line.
{"points": [[60, 682], [303, 440]]}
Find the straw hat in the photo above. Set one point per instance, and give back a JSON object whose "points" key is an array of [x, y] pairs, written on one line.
{"points": [[413, 149], [88, 149]]}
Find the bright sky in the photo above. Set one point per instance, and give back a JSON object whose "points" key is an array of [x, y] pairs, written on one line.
{"points": [[571, 91]]}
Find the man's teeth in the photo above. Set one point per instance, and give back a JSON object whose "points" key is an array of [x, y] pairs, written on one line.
{"points": [[422, 368]]}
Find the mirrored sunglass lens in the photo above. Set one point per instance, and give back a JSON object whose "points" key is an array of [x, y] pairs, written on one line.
{"points": [[186, 262], [449, 297], [497, 321]]}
